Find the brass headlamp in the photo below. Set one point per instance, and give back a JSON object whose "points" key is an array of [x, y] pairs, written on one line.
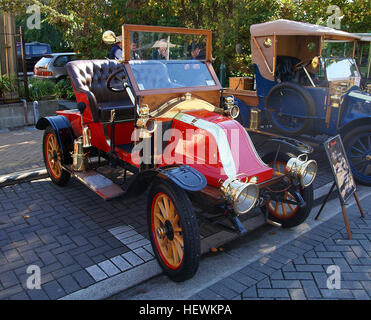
{"points": [[302, 169], [231, 110], [242, 195]]}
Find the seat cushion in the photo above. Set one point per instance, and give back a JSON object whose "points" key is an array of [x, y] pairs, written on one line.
{"points": [[90, 77]]}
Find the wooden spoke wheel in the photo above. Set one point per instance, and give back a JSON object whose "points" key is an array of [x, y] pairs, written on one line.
{"points": [[53, 158], [173, 230], [287, 212], [357, 144], [167, 231], [282, 210]]}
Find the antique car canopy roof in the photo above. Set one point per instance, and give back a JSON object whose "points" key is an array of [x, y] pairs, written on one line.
{"points": [[287, 27], [364, 36]]}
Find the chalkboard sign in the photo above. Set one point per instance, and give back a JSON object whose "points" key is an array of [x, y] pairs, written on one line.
{"points": [[340, 168]]}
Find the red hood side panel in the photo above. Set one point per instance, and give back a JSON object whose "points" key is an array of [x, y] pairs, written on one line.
{"points": [[239, 154]]}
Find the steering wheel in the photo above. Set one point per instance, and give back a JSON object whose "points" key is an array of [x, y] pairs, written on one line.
{"points": [[115, 82], [301, 65]]}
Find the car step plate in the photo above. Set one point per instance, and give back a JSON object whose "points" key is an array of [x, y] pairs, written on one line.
{"points": [[98, 183]]}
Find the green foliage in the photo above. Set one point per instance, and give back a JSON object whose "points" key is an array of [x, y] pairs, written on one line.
{"points": [[7, 84], [82, 22], [46, 34], [63, 89], [38, 89]]}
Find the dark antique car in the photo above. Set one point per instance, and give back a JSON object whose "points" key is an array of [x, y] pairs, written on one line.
{"points": [[161, 118], [308, 82]]}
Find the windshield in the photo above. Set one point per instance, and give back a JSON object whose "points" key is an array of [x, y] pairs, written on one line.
{"points": [[44, 61], [340, 69], [167, 46], [168, 74]]}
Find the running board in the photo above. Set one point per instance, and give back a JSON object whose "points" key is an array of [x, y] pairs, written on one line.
{"points": [[98, 183]]}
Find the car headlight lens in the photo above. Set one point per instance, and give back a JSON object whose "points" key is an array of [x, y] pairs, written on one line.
{"points": [[303, 169], [246, 198], [242, 195]]}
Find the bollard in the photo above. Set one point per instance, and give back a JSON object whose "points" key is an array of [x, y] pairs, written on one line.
{"points": [[25, 118], [36, 111]]}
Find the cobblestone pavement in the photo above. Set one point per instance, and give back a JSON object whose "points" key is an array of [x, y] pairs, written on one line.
{"points": [[76, 238], [298, 270], [20, 150]]}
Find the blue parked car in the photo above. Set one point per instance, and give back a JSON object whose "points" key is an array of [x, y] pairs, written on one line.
{"points": [[307, 82]]}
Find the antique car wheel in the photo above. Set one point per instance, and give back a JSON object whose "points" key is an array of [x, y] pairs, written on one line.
{"points": [[289, 107], [288, 214], [52, 158], [357, 144], [173, 230]]}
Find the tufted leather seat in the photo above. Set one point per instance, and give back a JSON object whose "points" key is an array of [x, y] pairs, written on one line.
{"points": [[90, 77]]}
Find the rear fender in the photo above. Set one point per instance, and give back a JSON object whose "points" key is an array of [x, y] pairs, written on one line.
{"points": [[63, 132]]}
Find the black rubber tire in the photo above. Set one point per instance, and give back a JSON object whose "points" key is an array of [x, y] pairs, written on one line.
{"points": [[189, 225], [349, 140], [307, 193], [309, 105], [65, 176]]}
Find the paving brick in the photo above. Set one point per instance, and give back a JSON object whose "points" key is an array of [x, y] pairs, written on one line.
{"points": [[121, 263], [319, 261], [83, 260], [289, 267], [96, 272], [329, 254], [37, 294], [277, 275], [144, 254], [336, 294], [250, 293], [137, 244], [273, 293], [20, 296], [309, 267], [109, 268], [208, 294], [347, 284], [286, 284], [297, 294], [264, 284], [223, 291], [310, 289], [47, 258], [297, 275], [53, 290], [66, 270], [360, 294], [244, 279], [233, 285], [321, 279], [83, 278], [360, 252], [132, 258], [359, 276], [8, 279], [8, 292], [69, 284], [253, 273]]}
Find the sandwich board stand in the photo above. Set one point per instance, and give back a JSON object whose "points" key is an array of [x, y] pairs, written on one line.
{"points": [[343, 177]]}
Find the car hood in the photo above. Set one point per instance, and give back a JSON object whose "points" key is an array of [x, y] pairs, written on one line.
{"points": [[216, 146]]}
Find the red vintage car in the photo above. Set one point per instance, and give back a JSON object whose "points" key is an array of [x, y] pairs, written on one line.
{"points": [[159, 118]]}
